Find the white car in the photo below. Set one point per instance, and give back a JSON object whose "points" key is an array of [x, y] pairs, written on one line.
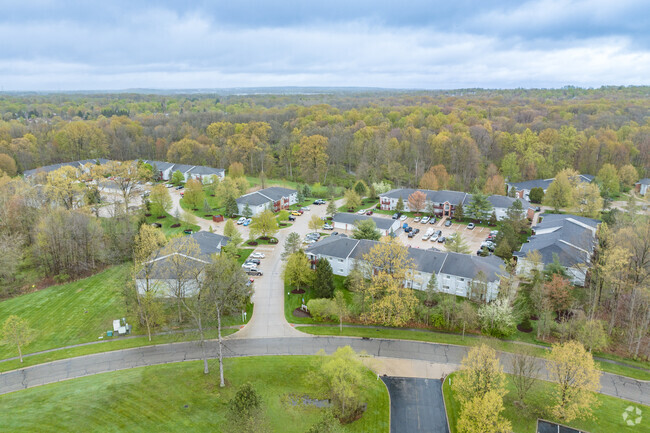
{"points": [[257, 256], [433, 238], [304, 208], [416, 220], [403, 218], [424, 220], [361, 211], [328, 227], [241, 220], [249, 265]]}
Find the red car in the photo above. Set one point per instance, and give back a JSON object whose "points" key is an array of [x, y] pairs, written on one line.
{"points": [[369, 212]]}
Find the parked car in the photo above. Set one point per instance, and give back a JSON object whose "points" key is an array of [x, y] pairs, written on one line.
{"points": [[494, 232], [433, 238], [408, 229], [538, 209], [169, 185], [441, 240], [256, 261], [395, 216], [305, 208], [335, 233], [249, 265], [182, 194], [179, 187], [255, 272], [241, 220], [432, 220], [248, 221], [319, 201], [361, 211], [426, 237], [328, 227], [448, 223], [369, 212], [312, 236], [416, 231], [470, 226], [309, 241], [411, 235], [296, 213], [416, 219], [257, 255], [292, 218], [438, 232], [403, 218], [425, 220]]}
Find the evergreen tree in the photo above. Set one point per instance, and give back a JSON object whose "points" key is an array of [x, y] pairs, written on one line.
{"points": [[231, 206], [400, 205], [247, 211], [361, 188], [459, 212], [323, 284], [493, 219]]}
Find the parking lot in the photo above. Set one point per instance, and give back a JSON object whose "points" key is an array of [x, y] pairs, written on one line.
{"points": [[473, 238]]}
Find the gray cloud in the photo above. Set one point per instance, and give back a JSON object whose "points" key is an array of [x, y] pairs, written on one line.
{"points": [[245, 43]]}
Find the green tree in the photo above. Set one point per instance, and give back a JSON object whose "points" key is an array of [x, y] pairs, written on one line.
{"points": [[361, 188], [236, 169], [291, 245], [482, 414], [588, 200], [297, 270], [577, 378], [315, 223], [247, 211], [231, 206], [493, 219], [177, 178], [608, 181], [16, 331], [366, 229], [352, 199], [264, 225], [399, 207], [327, 424], [536, 195], [331, 208], [479, 207], [193, 193], [229, 228], [340, 308], [225, 282], [323, 285], [510, 167], [341, 376], [481, 373], [560, 193], [456, 244], [467, 316], [459, 212]]}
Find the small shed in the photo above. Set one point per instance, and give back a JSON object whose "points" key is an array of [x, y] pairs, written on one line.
{"points": [[217, 218]]}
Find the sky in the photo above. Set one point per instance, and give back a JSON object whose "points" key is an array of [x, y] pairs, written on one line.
{"points": [[126, 44]]}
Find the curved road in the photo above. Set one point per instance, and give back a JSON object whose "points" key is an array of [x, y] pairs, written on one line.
{"points": [[268, 333]]}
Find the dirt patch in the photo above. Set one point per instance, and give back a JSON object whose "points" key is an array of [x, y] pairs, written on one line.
{"points": [[297, 291], [300, 313], [522, 328], [534, 317], [162, 216], [147, 214], [175, 225], [208, 216], [430, 303], [251, 243]]}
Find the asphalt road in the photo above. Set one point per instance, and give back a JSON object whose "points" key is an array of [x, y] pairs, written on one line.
{"points": [[613, 385], [416, 405]]}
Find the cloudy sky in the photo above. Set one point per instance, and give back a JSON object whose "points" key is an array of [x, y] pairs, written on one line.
{"points": [[121, 44]]}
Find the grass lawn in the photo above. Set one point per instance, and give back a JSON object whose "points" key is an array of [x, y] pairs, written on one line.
{"points": [[449, 338], [291, 301], [179, 397], [69, 313], [167, 225], [608, 417], [81, 311], [260, 241], [366, 203]]}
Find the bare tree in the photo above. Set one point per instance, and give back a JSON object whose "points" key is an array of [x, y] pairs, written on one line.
{"points": [[525, 372], [181, 259]]}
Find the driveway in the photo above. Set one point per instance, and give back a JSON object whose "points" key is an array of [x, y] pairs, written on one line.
{"points": [[473, 238], [416, 405]]}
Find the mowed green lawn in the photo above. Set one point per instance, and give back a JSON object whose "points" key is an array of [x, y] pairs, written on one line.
{"points": [[70, 313], [608, 417], [180, 398]]}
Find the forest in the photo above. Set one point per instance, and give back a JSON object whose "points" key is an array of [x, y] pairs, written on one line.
{"points": [[341, 136]]}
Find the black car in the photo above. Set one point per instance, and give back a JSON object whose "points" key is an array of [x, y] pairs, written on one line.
{"points": [[395, 216], [432, 220], [448, 223], [441, 239], [538, 209], [416, 231], [292, 218]]}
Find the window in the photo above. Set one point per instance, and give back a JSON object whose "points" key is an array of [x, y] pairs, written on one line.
{"points": [[462, 279]]}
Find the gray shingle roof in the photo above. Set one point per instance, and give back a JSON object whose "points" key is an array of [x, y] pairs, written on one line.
{"points": [[462, 265], [206, 171], [568, 236], [530, 184], [265, 195], [644, 181], [500, 201], [253, 199], [352, 218]]}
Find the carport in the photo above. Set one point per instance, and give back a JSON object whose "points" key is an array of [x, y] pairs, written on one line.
{"points": [[416, 405]]}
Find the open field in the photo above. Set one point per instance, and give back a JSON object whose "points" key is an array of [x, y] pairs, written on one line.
{"points": [[179, 397], [608, 417], [80, 312]]}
